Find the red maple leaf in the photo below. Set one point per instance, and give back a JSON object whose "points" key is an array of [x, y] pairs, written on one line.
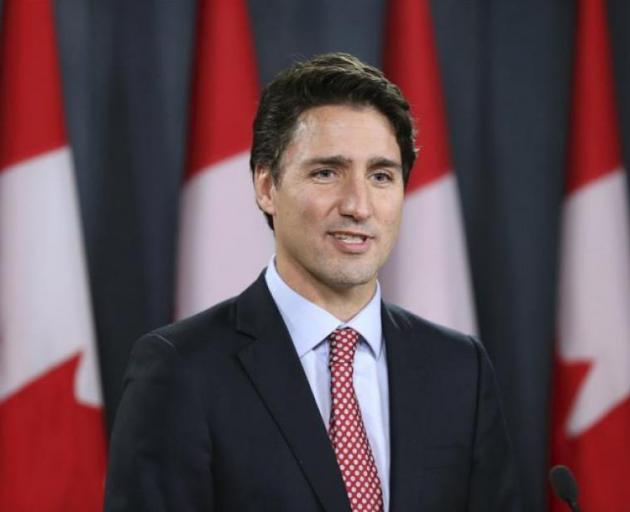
{"points": [[598, 456], [52, 448]]}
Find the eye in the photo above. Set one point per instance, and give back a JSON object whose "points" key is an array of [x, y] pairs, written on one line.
{"points": [[382, 177], [323, 174]]}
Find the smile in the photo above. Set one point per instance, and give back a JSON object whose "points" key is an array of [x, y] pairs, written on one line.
{"points": [[350, 238], [350, 242]]}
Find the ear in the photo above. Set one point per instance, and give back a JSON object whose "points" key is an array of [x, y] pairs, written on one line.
{"points": [[265, 188]]}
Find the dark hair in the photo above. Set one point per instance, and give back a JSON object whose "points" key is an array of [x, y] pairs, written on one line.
{"points": [[329, 79]]}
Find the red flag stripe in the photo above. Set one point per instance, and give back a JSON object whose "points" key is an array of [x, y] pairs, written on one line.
{"points": [[219, 186], [225, 86], [411, 63], [428, 270], [31, 117], [594, 149], [591, 395], [52, 443]]}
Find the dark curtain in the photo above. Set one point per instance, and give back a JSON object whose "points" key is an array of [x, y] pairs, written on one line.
{"points": [[506, 69]]}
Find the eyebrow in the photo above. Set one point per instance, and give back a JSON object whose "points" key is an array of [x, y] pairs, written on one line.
{"points": [[384, 162], [342, 161]]}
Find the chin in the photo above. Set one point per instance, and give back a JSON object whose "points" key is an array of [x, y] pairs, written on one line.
{"points": [[348, 277]]}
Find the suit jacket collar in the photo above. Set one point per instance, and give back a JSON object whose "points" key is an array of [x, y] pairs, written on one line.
{"points": [[274, 368]]}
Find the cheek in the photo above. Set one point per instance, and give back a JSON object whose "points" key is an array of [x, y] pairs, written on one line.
{"points": [[300, 215], [310, 209], [392, 214]]}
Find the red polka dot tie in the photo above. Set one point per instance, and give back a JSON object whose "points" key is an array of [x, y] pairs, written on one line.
{"points": [[347, 431]]}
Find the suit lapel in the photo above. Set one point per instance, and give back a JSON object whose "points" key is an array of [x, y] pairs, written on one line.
{"points": [[275, 370], [408, 372]]}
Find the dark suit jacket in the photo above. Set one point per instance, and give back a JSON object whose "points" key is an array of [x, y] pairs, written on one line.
{"points": [[217, 415]]}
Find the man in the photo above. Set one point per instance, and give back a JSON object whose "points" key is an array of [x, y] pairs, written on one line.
{"points": [[306, 392]]}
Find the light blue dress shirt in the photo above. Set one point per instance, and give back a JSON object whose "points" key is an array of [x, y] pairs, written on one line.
{"points": [[309, 326]]}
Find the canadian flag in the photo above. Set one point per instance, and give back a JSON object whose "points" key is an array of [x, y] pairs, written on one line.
{"points": [[52, 439], [591, 416], [428, 270], [224, 240]]}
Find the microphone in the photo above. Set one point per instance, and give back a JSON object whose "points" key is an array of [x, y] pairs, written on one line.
{"points": [[564, 486]]}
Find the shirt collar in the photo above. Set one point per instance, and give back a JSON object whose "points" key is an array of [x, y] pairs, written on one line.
{"points": [[309, 324]]}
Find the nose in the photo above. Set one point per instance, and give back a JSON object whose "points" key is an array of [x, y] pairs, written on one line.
{"points": [[355, 199]]}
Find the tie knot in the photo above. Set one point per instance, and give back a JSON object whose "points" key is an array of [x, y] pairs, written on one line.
{"points": [[343, 345]]}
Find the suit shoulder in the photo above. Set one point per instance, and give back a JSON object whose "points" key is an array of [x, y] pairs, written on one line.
{"points": [[202, 329], [429, 332]]}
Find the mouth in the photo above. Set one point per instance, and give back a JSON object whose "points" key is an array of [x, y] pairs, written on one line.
{"points": [[350, 238], [351, 241]]}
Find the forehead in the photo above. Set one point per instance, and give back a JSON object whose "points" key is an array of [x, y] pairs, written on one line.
{"points": [[354, 131]]}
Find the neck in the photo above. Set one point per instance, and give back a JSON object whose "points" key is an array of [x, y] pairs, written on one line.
{"points": [[343, 302]]}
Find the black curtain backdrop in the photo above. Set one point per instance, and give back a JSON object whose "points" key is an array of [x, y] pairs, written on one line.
{"points": [[506, 69]]}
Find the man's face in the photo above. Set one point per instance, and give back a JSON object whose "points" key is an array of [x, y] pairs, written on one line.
{"points": [[337, 206]]}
